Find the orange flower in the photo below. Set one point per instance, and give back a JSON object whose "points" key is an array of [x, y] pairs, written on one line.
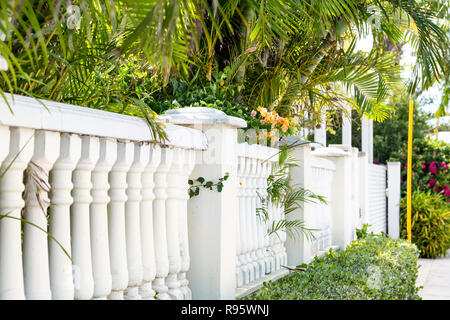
{"points": [[222, 83], [284, 127]]}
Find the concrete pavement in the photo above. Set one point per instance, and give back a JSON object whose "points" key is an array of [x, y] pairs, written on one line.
{"points": [[434, 276]]}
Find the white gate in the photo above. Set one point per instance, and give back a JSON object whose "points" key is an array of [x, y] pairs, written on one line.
{"points": [[377, 198]]}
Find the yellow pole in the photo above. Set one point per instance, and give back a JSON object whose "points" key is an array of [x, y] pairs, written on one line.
{"points": [[409, 171]]}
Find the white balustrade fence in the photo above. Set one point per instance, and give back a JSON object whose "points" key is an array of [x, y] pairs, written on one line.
{"points": [[113, 202], [108, 216], [258, 253]]}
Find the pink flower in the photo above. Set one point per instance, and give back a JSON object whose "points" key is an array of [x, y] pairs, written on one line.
{"points": [[434, 153], [443, 164], [424, 166], [432, 182], [446, 191], [253, 113], [436, 189], [433, 168]]}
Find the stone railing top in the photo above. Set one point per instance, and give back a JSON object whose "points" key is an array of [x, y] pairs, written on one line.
{"points": [[330, 152], [202, 115], [61, 117], [294, 141], [256, 151]]}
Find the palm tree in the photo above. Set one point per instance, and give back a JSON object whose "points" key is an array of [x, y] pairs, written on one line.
{"points": [[295, 56]]}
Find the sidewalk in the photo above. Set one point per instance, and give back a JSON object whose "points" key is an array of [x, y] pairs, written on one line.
{"points": [[434, 276]]}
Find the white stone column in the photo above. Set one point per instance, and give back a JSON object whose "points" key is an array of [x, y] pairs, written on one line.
{"points": [[212, 214], [188, 166], [367, 138], [79, 217], [116, 219], [159, 224], [61, 280], [320, 134], [394, 191], [347, 126], [343, 222], [299, 249], [101, 268], [132, 220], [11, 203], [146, 216], [364, 188], [175, 187], [35, 246]]}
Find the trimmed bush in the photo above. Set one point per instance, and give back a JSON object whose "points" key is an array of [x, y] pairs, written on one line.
{"points": [[375, 267], [430, 223]]}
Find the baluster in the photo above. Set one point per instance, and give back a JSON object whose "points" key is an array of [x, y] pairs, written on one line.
{"points": [[188, 166], [61, 280], [116, 219], [263, 191], [268, 238], [79, 217], [11, 203], [248, 218], [159, 224], [239, 266], [35, 246], [101, 268], [259, 219], [146, 217], [132, 220], [175, 188], [253, 225]]}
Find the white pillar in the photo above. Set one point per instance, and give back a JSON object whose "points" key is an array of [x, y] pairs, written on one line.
{"points": [[11, 203], [299, 249], [347, 127], [116, 219], [364, 188], [61, 280], [367, 138], [146, 217], [343, 221], [320, 134], [79, 217], [212, 214], [394, 190], [101, 268], [159, 225], [132, 220], [35, 246]]}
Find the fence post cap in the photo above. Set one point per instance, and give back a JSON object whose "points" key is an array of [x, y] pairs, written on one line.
{"points": [[202, 115]]}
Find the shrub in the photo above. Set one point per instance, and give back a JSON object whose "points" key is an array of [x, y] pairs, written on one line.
{"points": [[430, 162], [430, 223], [375, 267]]}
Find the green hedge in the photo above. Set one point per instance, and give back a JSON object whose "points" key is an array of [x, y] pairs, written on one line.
{"points": [[375, 267]]}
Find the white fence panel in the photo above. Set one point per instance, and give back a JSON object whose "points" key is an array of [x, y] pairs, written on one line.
{"points": [[257, 252], [377, 198], [117, 204], [322, 171]]}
